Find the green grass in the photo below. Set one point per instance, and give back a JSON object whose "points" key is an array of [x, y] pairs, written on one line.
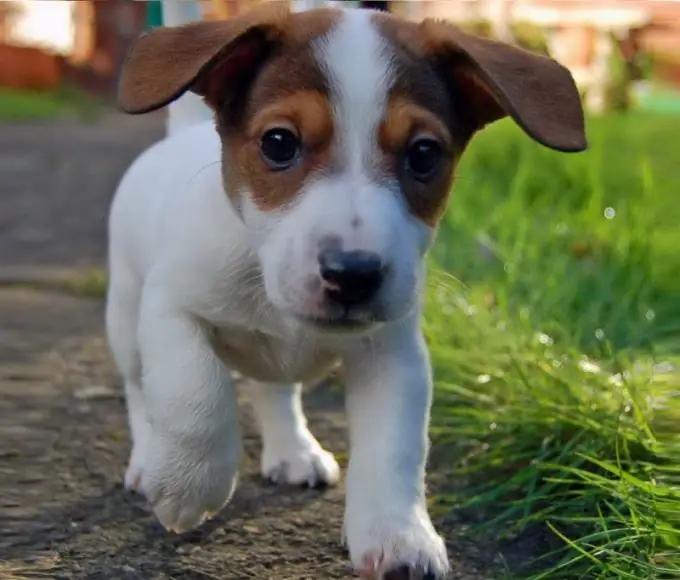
{"points": [[20, 105], [554, 323]]}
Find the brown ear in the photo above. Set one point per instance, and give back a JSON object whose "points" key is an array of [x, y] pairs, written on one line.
{"points": [[166, 62], [499, 80]]}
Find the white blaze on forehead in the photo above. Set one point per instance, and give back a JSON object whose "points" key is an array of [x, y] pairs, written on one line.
{"points": [[356, 60]]}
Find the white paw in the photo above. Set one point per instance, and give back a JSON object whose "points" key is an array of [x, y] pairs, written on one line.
{"points": [[186, 485], [395, 548], [133, 473], [302, 462], [140, 432]]}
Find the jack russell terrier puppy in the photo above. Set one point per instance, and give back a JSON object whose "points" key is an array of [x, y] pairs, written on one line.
{"points": [[285, 231]]}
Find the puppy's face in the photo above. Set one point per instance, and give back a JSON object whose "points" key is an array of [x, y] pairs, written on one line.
{"points": [[341, 132], [341, 168]]}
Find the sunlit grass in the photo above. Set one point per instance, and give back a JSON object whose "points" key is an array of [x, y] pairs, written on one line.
{"points": [[21, 105], [553, 319]]}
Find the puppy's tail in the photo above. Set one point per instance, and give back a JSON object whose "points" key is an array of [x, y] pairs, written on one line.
{"points": [[189, 109]]}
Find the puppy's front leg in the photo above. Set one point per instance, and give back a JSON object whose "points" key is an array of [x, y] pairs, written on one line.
{"points": [[290, 453], [194, 447], [387, 527]]}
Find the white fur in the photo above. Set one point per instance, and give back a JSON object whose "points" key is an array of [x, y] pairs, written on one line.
{"points": [[290, 452], [196, 291], [389, 390]]}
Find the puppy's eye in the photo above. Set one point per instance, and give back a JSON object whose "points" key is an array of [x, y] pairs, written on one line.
{"points": [[423, 157], [280, 148]]}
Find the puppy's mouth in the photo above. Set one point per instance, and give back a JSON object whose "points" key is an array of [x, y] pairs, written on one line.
{"points": [[344, 323]]}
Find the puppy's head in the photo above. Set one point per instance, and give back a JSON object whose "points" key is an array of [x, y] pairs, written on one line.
{"points": [[341, 132]]}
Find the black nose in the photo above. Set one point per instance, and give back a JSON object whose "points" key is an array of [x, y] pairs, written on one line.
{"points": [[352, 277]]}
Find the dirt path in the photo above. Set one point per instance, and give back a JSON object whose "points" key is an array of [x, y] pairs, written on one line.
{"points": [[63, 437]]}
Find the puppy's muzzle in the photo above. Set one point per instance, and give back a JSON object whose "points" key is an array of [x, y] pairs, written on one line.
{"points": [[351, 279]]}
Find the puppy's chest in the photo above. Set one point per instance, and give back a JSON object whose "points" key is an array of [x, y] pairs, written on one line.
{"points": [[264, 357]]}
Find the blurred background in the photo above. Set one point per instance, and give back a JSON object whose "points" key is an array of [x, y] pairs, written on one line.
{"points": [[618, 50], [553, 317]]}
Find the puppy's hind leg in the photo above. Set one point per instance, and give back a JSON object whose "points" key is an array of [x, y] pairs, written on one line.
{"points": [[122, 308], [290, 453]]}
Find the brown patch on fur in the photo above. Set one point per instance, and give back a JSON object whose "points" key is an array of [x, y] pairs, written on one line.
{"points": [[404, 122], [288, 89], [308, 111], [307, 114], [454, 84], [257, 71], [419, 105], [488, 80]]}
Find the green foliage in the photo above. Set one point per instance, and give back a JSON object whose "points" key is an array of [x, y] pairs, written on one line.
{"points": [[22, 105], [531, 37], [553, 318], [526, 34], [618, 90]]}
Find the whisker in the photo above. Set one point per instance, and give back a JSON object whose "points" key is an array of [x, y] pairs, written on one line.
{"points": [[195, 175]]}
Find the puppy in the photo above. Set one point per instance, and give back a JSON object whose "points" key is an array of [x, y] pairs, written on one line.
{"points": [[288, 233]]}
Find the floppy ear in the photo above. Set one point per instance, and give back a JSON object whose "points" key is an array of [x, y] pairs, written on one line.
{"points": [[497, 80], [166, 62]]}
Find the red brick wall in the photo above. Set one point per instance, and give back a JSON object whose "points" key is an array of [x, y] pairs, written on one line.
{"points": [[23, 67]]}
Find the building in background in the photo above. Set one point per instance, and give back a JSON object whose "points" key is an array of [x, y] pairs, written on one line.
{"points": [[44, 43], [40, 23]]}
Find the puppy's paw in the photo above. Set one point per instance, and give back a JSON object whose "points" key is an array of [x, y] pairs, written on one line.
{"points": [[389, 548], [133, 473], [140, 432], [302, 462], [187, 485]]}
